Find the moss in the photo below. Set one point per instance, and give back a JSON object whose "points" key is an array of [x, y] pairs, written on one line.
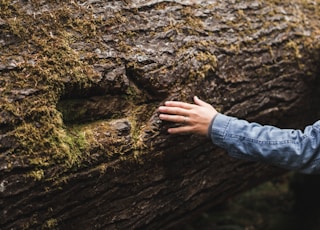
{"points": [[46, 142], [295, 47], [36, 174], [74, 144], [50, 224], [191, 21], [136, 131], [208, 64], [49, 63]]}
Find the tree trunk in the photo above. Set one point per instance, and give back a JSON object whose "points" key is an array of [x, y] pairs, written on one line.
{"points": [[80, 140]]}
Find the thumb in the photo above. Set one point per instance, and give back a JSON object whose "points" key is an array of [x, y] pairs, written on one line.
{"points": [[199, 102]]}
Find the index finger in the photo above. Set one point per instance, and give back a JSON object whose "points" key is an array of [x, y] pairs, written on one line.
{"points": [[179, 104]]}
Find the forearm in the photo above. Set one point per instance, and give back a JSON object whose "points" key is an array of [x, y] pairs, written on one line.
{"points": [[287, 148]]}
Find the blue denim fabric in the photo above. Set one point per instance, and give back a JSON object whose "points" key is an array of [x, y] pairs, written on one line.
{"points": [[286, 148]]}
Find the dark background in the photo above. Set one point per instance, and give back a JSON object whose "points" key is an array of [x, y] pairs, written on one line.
{"points": [[291, 201]]}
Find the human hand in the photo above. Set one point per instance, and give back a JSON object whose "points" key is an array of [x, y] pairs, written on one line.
{"points": [[195, 118]]}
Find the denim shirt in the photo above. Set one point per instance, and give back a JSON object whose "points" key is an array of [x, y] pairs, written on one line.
{"points": [[287, 148]]}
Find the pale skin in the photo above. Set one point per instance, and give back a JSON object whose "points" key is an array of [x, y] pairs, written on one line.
{"points": [[195, 118]]}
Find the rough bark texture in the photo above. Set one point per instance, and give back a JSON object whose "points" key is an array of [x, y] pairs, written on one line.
{"points": [[81, 145]]}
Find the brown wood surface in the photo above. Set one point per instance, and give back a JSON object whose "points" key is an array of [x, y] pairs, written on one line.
{"points": [[81, 145]]}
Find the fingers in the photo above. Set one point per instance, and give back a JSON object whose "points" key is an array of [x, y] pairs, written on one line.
{"points": [[173, 110], [179, 104], [181, 129], [199, 102], [173, 118], [177, 108], [185, 105], [195, 118], [177, 119]]}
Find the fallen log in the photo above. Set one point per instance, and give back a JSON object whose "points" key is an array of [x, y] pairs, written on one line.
{"points": [[80, 140]]}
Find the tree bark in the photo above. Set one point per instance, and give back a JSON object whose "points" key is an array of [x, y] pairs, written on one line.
{"points": [[80, 140]]}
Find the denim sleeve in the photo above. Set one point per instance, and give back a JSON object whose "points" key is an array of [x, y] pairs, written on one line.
{"points": [[286, 148]]}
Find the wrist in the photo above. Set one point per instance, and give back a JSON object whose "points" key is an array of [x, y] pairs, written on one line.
{"points": [[210, 125]]}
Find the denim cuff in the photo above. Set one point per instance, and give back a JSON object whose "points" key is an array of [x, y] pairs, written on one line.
{"points": [[218, 129]]}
